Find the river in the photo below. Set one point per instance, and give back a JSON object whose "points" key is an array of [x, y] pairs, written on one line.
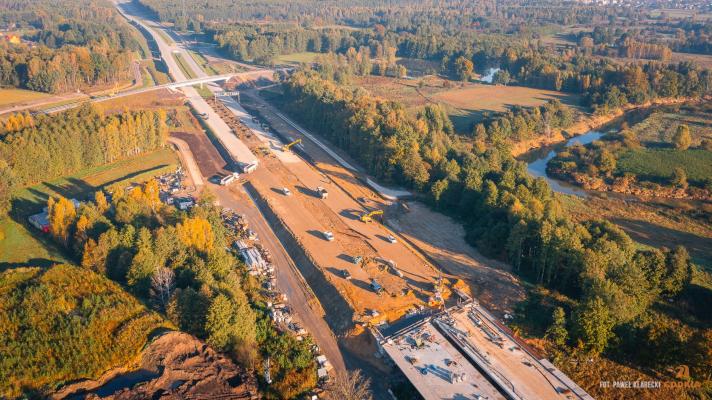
{"points": [[488, 77], [537, 160]]}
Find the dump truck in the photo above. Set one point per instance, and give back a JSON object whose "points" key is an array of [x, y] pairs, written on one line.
{"points": [[323, 193]]}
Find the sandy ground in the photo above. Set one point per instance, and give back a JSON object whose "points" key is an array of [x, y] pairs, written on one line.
{"points": [[439, 238], [442, 239], [175, 365], [308, 216]]}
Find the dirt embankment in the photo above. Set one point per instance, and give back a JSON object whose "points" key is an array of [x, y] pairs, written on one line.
{"points": [[588, 123], [339, 314], [175, 365]]}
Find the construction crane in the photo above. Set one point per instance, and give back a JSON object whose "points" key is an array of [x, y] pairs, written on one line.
{"points": [[368, 216], [288, 146]]}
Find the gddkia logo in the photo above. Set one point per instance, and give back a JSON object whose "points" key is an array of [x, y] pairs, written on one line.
{"points": [[682, 372]]}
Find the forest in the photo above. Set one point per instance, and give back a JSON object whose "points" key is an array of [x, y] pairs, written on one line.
{"points": [[65, 47], [512, 217], [604, 84], [509, 16]]}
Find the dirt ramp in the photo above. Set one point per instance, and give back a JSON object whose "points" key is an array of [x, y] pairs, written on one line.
{"points": [[176, 365]]}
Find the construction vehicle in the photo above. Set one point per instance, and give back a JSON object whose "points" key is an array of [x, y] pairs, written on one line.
{"points": [[226, 180], [288, 146], [322, 192], [376, 286], [368, 217]]}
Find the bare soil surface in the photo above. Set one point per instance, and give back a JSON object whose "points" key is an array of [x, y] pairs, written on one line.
{"points": [[175, 365], [442, 240]]}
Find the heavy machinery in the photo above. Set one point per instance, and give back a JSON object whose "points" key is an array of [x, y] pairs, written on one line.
{"points": [[368, 217], [288, 146]]}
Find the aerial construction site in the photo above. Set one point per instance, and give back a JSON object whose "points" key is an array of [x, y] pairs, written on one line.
{"points": [[355, 275]]}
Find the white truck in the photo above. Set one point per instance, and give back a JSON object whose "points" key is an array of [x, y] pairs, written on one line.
{"points": [[323, 193], [247, 168], [228, 179]]}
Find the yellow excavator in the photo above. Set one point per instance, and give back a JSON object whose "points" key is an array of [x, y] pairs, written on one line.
{"points": [[368, 217], [288, 146]]}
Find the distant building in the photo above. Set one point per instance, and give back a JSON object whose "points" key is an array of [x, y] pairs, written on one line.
{"points": [[40, 221], [13, 39]]}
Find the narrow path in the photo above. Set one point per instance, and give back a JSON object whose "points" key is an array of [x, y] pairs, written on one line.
{"points": [[188, 162]]}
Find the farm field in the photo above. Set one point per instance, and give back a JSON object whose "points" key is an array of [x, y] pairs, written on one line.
{"points": [[74, 324], [14, 96], [297, 58], [658, 164], [466, 103]]}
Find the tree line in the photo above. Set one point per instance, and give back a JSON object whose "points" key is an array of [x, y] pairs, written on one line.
{"points": [[507, 214]]}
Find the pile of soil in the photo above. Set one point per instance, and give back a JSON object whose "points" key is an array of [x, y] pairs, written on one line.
{"points": [[175, 366]]}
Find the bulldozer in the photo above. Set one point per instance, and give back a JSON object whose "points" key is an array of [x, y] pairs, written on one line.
{"points": [[368, 217], [288, 146]]}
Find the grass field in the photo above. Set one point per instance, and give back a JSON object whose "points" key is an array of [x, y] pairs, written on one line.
{"points": [[20, 247], [655, 222], [203, 63], [22, 244], [466, 103], [66, 323], [659, 127], [88, 181], [296, 58], [203, 91], [658, 164], [166, 38], [187, 71], [14, 96]]}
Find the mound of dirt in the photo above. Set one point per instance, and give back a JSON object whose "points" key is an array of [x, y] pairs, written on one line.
{"points": [[174, 366]]}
